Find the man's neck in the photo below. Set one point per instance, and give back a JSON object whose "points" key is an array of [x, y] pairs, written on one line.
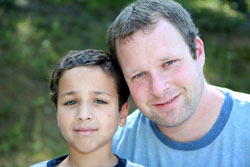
{"points": [[201, 121]]}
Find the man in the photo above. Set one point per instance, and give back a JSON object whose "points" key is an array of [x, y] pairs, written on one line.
{"points": [[182, 120]]}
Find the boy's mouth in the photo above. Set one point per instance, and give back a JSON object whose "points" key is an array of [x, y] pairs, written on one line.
{"points": [[85, 131]]}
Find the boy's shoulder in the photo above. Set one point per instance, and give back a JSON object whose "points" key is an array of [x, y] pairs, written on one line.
{"points": [[40, 164], [52, 162]]}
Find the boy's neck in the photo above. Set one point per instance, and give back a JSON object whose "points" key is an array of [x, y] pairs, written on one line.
{"points": [[97, 158]]}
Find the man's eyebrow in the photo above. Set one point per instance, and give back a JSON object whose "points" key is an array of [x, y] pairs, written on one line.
{"points": [[68, 93], [165, 59], [101, 93]]}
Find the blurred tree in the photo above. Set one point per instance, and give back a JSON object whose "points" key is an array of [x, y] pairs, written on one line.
{"points": [[7, 4], [239, 5]]}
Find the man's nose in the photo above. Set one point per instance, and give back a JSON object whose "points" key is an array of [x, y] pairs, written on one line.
{"points": [[84, 113], [159, 84]]}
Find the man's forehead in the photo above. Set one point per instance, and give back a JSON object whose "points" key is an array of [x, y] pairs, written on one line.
{"points": [[124, 40], [132, 37]]}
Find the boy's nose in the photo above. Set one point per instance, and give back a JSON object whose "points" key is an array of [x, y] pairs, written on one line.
{"points": [[84, 113]]}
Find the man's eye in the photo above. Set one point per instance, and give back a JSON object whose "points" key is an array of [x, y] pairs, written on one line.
{"points": [[139, 75], [169, 62], [69, 103], [100, 102]]}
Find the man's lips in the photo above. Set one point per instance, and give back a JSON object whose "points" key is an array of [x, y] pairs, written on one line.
{"points": [[166, 102]]}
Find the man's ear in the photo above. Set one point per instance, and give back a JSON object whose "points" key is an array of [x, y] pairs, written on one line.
{"points": [[124, 114], [200, 52]]}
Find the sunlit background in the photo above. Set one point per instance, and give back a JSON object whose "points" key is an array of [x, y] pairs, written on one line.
{"points": [[35, 34]]}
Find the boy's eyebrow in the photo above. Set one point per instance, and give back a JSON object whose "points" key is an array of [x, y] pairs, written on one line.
{"points": [[101, 92], [95, 92], [68, 93]]}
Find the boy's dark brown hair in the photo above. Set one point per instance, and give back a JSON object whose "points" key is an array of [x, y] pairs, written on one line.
{"points": [[90, 57]]}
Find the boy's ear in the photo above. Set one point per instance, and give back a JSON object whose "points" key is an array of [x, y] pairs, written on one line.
{"points": [[124, 114], [55, 106]]}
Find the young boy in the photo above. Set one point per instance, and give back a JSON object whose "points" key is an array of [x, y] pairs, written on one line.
{"points": [[90, 96]]}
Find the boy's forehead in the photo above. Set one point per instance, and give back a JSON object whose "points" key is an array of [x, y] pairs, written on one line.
{"points": [[88, 77], [82, 71]]}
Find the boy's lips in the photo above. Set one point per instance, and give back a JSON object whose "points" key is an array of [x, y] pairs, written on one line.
{"points": [[85, 130]]}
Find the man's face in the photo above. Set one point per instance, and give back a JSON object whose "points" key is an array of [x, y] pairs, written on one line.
{"points": [[166, 83]]}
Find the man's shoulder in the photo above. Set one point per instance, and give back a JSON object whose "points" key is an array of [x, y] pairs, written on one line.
{"points": [[136, 122], [238, 96], [134, 115], [131, 164]]}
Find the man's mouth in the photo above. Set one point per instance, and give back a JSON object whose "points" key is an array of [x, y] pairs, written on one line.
{"points": [[168, 103]]}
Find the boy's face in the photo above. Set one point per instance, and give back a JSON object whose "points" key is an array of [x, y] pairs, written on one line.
{"points": [[88, 109]]}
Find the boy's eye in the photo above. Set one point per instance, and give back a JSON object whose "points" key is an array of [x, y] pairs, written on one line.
{"points": [[69, 103], [100, 102]]}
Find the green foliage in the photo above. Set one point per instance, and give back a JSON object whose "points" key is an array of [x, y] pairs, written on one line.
{"points": [[36, 34], [221, 21], [228, 57]]}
